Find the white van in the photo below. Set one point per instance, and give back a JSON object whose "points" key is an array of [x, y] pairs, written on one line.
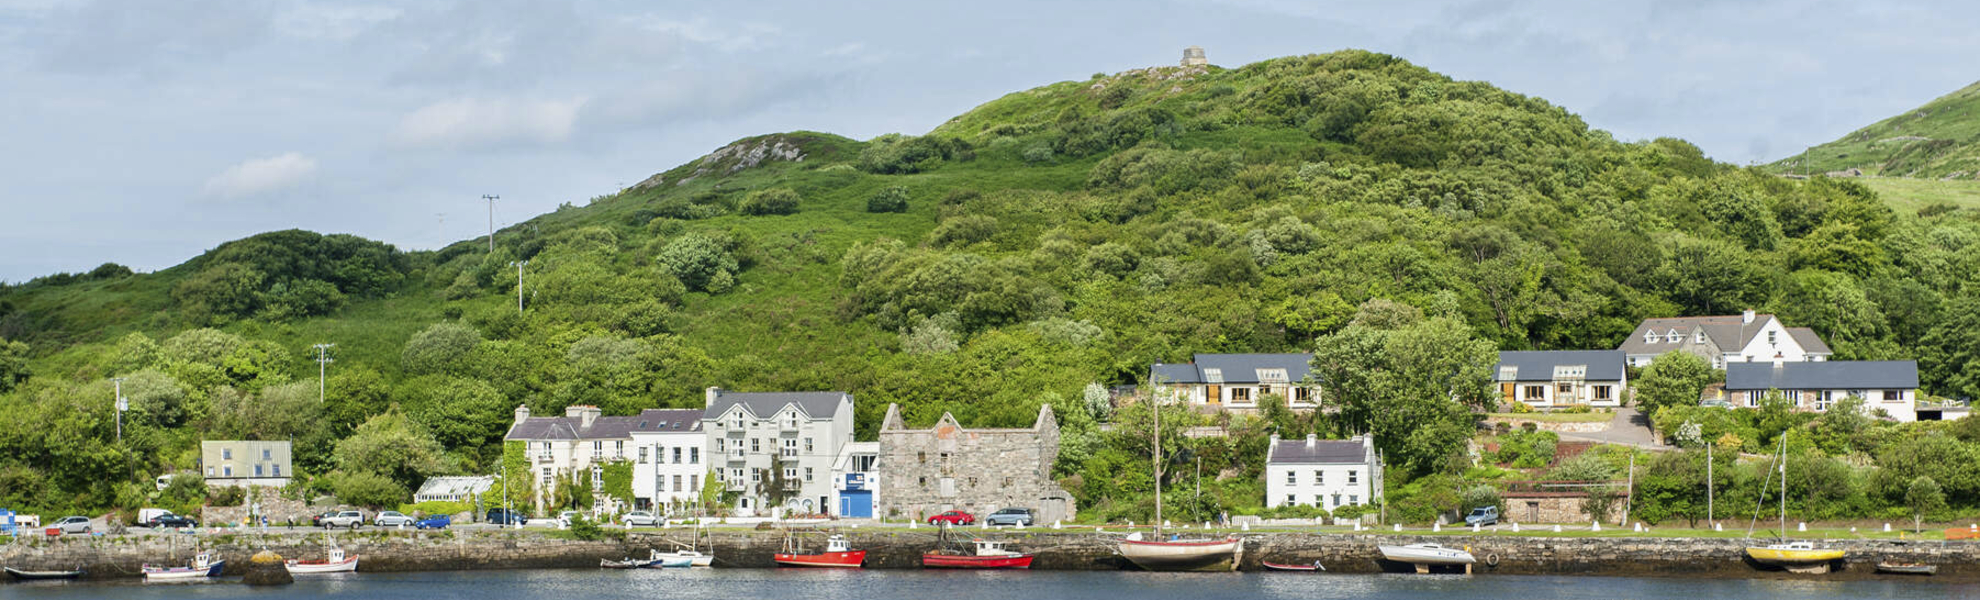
{"points": [[164, 480]]}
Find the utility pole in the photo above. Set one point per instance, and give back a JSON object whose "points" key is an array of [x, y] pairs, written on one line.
{"points": [[323, 361], [122, 405], [491, 198], [519, 288], [1629, 500], [1709, 515]]}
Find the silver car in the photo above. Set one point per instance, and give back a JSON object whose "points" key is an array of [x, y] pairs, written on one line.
{"points": [[391, 518], [73, 524], [640, 518]]}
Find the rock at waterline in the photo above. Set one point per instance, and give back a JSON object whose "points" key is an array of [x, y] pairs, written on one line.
{"points": [[266, 568]]}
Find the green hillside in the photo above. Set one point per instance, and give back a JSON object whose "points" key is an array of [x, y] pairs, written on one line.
{"points": [[1940, 140], [1037, 249]]}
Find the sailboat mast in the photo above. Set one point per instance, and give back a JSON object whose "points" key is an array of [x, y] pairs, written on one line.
{"points": [[1784, 485], [1157, 403]]}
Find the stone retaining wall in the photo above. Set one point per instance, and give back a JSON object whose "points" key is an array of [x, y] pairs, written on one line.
{"points": [[896, 548]]}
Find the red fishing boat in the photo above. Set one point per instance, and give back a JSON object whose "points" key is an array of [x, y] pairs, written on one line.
{"points": [[988, 555], [838, 554]]}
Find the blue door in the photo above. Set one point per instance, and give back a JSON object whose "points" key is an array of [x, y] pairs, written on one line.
{"points": [[856, 504]]}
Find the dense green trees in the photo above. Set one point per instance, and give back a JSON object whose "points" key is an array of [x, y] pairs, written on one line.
{"points": [[1407, 382], [1675, 378], [14, 367]]}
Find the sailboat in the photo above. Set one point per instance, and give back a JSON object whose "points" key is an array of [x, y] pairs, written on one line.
{"points": [[1174, 553], [1796, 556]]}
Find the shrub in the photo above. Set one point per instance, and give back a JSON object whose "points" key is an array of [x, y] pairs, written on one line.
{"points": [[890, 200], [700, 261], [773, 201], [1038, 153], [225, 496], [436, 507], [365, 489], [963, 231], [438, 348]]}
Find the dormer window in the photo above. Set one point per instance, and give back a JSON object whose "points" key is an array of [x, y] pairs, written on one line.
{"points": [[1673, 336], [1272, 375], [1649, 337], [1698, 338], [1213, 375], [1508, 373]]}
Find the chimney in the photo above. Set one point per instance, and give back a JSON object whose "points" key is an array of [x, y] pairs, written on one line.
{"points": [[1746, 318], [522, 413], [1312, 440], [1779, 361], [585, 414], [709, 396]]}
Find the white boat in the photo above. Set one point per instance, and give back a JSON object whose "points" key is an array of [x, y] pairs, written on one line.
{"points": [[1427, 555], [681, 558], [1177, 554], [203, 567], [1794, 556], [337, 563]]}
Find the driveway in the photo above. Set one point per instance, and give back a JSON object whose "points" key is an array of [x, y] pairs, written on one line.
{"points": [[1629, 428]]}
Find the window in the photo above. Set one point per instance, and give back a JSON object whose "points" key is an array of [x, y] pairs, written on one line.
{"points": [[1007, 482], [1699, 337], [1770, 338], [278, 470], [1240, 395], [597, 478], [1565, 389], [1353, 499], [923, 481], [807, 474], [1302, 395], [694, 456], [227, 471], [677, 455], [721, 445], [1508, 373], [1536, 392], [1649, 337], [548, 476], [790, 475], [209, 471], [1893, 396], [1319, 477], [1317, 499], [1354, 477], [257, 470], [597, 449], [790, 448], [755, 445], [1601, 392], [1213, 375], [694, 483], [642, 455], [1823, 399], [737, 474], [807, 445], [1673, 337], [619, 449], [264, 454], [921, 456], [972, 482], [1272, 375], [226, 454], [677, 483], [756, 475], [1292, 500], [1292, 478]]}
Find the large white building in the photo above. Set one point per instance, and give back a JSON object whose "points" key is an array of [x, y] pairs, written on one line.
{"points": [[1325, 473], [1890, 386], [579, 443], [1557, 378], [668, 465], [1237, 381], [856, 480], [1723, 340], [754, 438]]}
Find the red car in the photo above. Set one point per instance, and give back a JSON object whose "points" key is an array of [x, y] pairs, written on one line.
{"points": [[954, 517]]}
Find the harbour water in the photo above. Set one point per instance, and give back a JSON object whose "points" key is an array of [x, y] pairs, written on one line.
{"points": [[731, 584]]}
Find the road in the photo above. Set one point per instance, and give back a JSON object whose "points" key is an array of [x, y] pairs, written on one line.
{"points": [[1628, 427]]}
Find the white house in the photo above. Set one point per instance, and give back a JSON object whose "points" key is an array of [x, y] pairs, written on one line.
{"points": [[799, 434], [1325, 473], [668, 465], [1237, 380], [239, 463], [579, 443], [1722, 340], [1887, 385], [453, 489], [1555, 378], [856, 480]]}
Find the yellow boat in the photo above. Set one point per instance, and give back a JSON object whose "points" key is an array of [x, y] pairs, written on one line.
{"points": [[1800, 557]]}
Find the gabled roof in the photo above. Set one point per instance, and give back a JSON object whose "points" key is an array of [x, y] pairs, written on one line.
{"points": [[1729, 332], [1823, 375], [605, 428], [1330, 452], [667, 420], [1231, 368], [763, 405], [1538, 365], [1810, 343]]}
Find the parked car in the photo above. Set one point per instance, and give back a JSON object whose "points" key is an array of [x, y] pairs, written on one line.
{"points": [[1011, 516], [953, 517], [433, 522], [317, 520], [391, 518], [72, 525], [1483, 516], [167, 519], [565, 518], [503, 516], [640, 518], [350, 518]]}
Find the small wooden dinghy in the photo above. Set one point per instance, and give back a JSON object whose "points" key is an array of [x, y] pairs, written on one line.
{"points": [[1898, 568], [42, 575], [1272, 566]]}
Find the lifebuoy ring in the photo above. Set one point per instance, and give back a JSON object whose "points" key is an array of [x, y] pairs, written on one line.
{"points": [[1492, 560]]}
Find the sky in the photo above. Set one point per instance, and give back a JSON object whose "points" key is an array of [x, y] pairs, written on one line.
{"points": [[144, 133]]}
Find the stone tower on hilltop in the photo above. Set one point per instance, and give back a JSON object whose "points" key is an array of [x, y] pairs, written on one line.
{"points": [[1193, 56]]}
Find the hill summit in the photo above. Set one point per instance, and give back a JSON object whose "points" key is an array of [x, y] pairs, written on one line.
{"points": [[1940, 140]]}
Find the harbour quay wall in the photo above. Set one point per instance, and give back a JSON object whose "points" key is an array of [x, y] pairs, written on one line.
{"points": [[900, 548]]}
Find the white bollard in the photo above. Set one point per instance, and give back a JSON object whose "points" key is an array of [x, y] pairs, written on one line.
{"points": [[1801, 527], [1206, 524], [985, 525], [1557, 528], [1166, 525], [1474, 528], [1399, 527], [1852, 530], [1130, 523], [1887, 528], [1020, 524], [1515, 528], [1718, 527], [1246, 526], [914, 524], [1436, 527], [1597, 526], [1056, 525], [1639, 528]]}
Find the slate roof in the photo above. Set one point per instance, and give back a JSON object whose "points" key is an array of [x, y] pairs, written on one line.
{"points": [[819, 405], [1825, 375], [1729, 332], [604, 428], [1809, 342], [1234, 368], [1334, 452], [1538, 365]]}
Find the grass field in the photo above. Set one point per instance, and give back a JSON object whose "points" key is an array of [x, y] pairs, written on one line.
{"points": [[1907, 195]]}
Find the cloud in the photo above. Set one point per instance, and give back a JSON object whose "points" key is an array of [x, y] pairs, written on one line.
{"points": [[257, 176], [484, 122]]}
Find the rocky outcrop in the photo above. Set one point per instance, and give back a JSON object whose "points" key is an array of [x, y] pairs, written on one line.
{"points": [[266, 568]]}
